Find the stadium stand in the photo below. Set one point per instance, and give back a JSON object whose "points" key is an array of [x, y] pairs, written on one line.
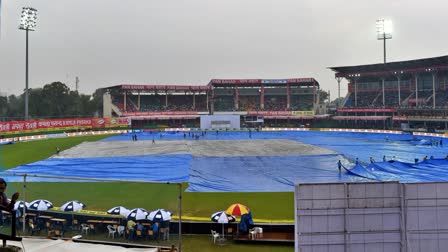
{"points": [[281, 100], [395, 93]]}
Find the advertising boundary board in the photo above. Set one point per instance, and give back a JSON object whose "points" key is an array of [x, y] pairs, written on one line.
{"points": [[17, 127], [11, 140]]}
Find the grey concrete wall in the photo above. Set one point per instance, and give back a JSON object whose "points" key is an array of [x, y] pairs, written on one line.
{"points": [[371, 217], [426, 206]]}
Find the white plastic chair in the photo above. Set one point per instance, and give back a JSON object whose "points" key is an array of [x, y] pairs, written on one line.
{"points": [[215, 235], [84, 228], [120, 230], [112, 231], [252, 234], [258, 231]]}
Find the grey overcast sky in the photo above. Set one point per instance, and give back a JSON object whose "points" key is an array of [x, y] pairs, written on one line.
{"points": [[189, 42]]}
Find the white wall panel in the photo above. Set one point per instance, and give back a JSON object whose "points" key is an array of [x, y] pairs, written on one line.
{"points": [[206, 121], [367, 217], [348, 217], [426, 216]]}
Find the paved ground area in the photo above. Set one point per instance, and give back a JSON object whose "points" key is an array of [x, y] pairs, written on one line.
{"points": [[48, 245], [204, 148]]}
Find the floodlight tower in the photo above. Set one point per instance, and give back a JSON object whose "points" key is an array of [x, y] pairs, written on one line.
{"points": [[27, 23], [384, 31]]}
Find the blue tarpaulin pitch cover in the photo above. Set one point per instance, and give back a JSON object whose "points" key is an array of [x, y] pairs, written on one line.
{"points": [[161, 168], [432, 170], [263, 174], [266, 173]]}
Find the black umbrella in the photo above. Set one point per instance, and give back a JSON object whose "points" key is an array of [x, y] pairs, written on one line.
{"points": [[222, 217], [119, 210], [159, 215], [40, 205], [20, 205], [137, 214], [73, 205]]}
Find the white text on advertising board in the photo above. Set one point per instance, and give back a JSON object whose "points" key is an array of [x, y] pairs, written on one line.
{"points": [[303, 113]]}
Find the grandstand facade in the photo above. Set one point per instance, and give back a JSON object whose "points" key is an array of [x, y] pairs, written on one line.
{"points": [[398, 94], [257, 101]]}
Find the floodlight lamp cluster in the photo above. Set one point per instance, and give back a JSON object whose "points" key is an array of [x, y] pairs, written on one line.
{"points": [[354, 75], [384, 29], [429, 69], [399, 72], [28, 19]]}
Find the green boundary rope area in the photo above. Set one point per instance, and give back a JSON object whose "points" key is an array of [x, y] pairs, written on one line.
{"points": [[196, 206]]}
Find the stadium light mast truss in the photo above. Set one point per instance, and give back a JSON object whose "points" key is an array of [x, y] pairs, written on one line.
{"points": [[384, 32], [28, 22]]}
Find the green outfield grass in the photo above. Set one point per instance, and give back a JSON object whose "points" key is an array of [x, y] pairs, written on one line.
{"points": [[102, 196], [13, 155]]}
